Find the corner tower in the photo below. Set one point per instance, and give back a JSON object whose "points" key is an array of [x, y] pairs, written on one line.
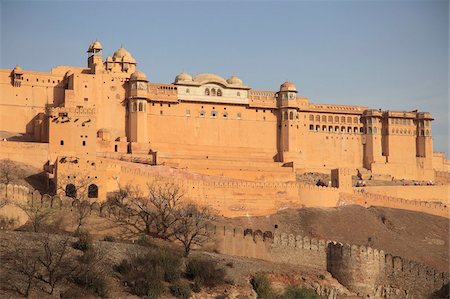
{"points": [[137, 107]]}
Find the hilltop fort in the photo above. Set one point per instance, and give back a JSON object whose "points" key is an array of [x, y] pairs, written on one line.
{"points": [[83, 119]]}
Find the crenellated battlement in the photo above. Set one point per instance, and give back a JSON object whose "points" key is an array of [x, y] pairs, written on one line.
{"points": [[368, 199], [360, 268]]}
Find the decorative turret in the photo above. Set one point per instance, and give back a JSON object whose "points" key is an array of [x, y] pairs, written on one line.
{"points": [[17, 76], [138, 85], [137, 107], [95, 61]]}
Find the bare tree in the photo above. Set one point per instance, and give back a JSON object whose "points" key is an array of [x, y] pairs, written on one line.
{"points": [[37, 213], [9, 172], [21, 269], [45, 265], [192, 226], [152, 214], [55, 265]]}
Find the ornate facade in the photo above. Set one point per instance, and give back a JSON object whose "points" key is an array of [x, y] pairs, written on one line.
{"points": [[207, 124]]}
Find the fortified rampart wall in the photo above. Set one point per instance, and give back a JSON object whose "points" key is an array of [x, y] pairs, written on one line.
{"points": [[439, 193], [237, 198], [31, 153], [368, 199], [364, 270]]}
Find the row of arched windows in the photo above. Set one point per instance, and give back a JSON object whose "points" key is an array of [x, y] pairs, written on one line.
{"points": [[71, 191], [213, 92], [401, 121], [334, 119], [409, 132], [335, 129]]}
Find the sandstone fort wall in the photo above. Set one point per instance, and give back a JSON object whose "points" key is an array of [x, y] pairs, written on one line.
{"points": [[31, 153], [439, 193], [368, 199], [364, 270]]}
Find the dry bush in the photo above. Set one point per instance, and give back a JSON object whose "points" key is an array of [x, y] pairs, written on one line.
{"points": [[145, 273], [91, 272], [204, 272], [8, 223]]}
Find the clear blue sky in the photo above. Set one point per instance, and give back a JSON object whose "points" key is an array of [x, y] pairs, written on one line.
{"points": [[384, 54]]}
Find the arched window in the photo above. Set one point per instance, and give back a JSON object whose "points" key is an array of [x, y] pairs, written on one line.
{"points": [[291, 115], [213, 92], [336, 129], [141, 107], [311, 117], [336, 119], [92, 191], [343, 128], [355, 130], [324, 128], [219, 92], [349, 129], [311, 127], [421, 133], [134, 107], [355, 120], [324, 118], [317, 117], [361, 130], [343, 119], [369, 120], [330, 128], [396, 131], [71, 190], [369, 130], [375, 130], [349, 120], [285, 115], [207, 92], [317, 128], [330, 119]]}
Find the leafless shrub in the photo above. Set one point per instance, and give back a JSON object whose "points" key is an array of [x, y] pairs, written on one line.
{"points": [[37, 213]]}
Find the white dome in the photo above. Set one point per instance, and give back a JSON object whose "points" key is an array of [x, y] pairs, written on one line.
{"points": [[183, 77], [234, 80]]}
